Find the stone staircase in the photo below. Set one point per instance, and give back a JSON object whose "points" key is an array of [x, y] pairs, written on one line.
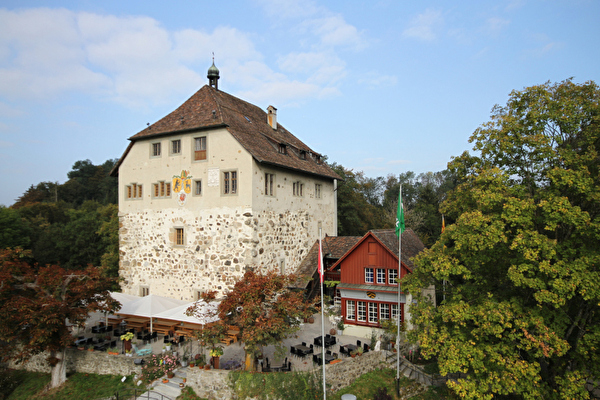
{"points": [[166, 391]]}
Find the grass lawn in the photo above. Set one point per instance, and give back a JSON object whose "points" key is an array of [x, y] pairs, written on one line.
{"points": [[28, 386], [78, 386], [367, 385]]}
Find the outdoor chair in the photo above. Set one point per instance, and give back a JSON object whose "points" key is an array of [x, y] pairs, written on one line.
{"points": [[304, 344], [293, 350], [365, 348]]}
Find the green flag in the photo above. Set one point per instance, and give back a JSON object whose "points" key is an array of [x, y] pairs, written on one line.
{"points": [[400, 215]]}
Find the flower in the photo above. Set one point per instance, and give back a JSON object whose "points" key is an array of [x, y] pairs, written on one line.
{"points": [[127, 336]]}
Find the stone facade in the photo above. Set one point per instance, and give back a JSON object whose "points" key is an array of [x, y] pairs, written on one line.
{"points": [[220, 245]]}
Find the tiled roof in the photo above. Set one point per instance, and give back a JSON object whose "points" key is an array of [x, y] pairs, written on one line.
{"points": [[210, 108], [411, 244], [333, 247]]}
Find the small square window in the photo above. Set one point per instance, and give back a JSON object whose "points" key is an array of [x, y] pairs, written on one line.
{"points": [[198, 188], [381, 276], [368, 275], [156, 149], [269, 183], [161, 189], [302, 155], [392, 275], [317, 190], [282, 148], [229, 182], [176, 146], [179, 237], [298, 189], [144, 291], [200, 148], [134, 191]]}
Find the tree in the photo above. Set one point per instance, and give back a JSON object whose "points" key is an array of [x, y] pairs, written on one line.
{"points": [[38, 306], [264, 309], [14, 231], [521, 315]]}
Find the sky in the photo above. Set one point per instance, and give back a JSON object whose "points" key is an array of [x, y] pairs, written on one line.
{"points": [[382, 87]]}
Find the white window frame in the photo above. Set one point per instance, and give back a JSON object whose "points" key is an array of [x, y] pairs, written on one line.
{"points": [[380, 276], [392, 275], [384, 311], [361, 311], [350, 310], [394, 312], [373, 312], [369, 275]]}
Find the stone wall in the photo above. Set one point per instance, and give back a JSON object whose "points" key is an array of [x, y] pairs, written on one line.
{"points": [[215, 384], [83, 361], [220, 244]]}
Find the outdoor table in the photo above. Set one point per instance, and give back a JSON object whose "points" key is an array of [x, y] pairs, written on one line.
{"points": [[304, 350], [328, 358], [347, 348], [329, 341]]}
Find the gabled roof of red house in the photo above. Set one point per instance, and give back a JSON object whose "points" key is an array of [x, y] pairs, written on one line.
{"points": [[333, 247], [210, 108], [411, 245]]}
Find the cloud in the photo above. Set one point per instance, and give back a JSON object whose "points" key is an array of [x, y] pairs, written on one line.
{"points": [[495, 25], [398, 162], [135, 61], [374, 80], [423, 25]]}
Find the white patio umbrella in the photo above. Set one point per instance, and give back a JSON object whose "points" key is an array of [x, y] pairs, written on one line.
{"points": [[149, 306]]}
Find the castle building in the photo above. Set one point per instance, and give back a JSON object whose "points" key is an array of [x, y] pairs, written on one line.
{"points": [[213, 188]]}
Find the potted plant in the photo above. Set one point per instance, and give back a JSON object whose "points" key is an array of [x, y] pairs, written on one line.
{"points": [[90, 348], [207, 367], [215, 353], [192, 364], [113, 351], [165, 380], [127, 338], [128, 353], [332, 331], [340, 326], [167, 347], [184, 360], [170, 374]]}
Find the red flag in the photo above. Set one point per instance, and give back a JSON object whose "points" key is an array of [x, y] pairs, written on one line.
{"points": [[320, 261]]}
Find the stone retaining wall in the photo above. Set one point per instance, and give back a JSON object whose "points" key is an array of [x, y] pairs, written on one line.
{"points": [[83, 361], [215, 384]]}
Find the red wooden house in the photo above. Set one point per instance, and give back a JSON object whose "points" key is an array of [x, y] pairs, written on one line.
{"points": [[367, 275]]}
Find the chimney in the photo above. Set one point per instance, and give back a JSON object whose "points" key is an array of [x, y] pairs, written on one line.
{"points": [[272, 116]]}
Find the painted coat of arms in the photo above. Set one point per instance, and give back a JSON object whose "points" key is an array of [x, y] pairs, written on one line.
{"points": [[182, 186]]}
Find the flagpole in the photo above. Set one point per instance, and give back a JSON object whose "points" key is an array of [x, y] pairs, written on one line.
{"points": [[321, 275], [399, 230]]}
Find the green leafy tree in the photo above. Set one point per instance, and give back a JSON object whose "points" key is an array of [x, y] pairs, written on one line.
{"points": [[14, 230], [39, 305], [521, 263]]}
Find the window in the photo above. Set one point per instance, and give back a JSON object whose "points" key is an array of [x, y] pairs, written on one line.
{"points": [[144, 291], [176, 146], [198, 188], [197, 294], [282, 266], [392, 275], [384, 311], [269, 179], [282, 148], [317, 190], [134, 191], [302, 155], [373, 313], [380, 276], [350, 309], [298, 188], [179, 237], [362, 311], [395, 313], [200, 148], [162, 189], [230, 182], [368, 275], [155, 149]]}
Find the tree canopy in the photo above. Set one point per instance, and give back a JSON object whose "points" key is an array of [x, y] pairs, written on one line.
{"points": [[39, 305], [264, 309], [521, 263]]}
